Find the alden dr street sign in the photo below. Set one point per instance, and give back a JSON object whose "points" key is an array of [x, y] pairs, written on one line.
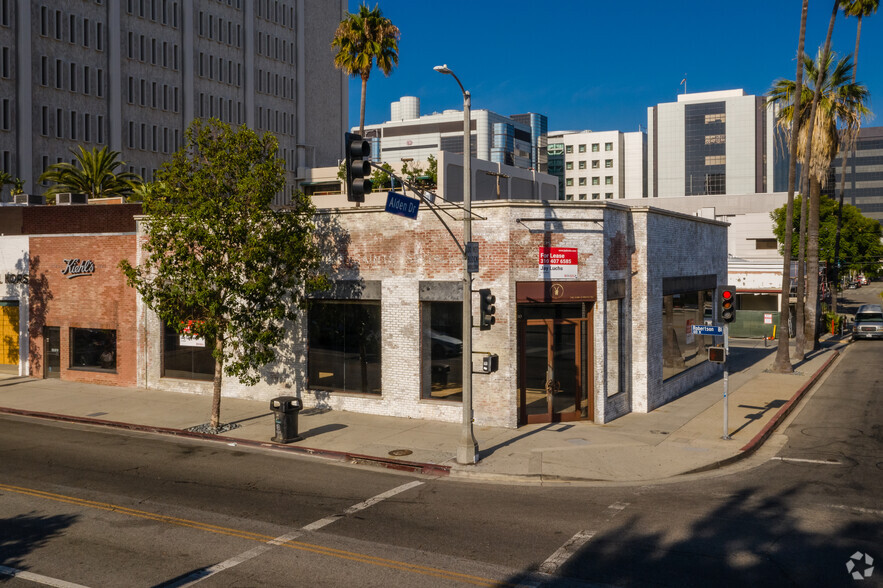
{"points": [[402, 205]]}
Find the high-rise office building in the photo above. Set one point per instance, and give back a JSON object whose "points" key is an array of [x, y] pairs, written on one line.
{"points": [[714, 143], [600, 165], [864, 174], [133, 74]]}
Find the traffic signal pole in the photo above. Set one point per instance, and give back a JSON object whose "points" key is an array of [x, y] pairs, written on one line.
{"points": [[726, 380]]}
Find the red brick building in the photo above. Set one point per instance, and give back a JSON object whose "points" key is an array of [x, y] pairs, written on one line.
{"points": [[81, 323]]}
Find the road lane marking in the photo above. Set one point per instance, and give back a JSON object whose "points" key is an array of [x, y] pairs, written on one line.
{"points": [[361, 506], [200, 575], [857, 509], [37, 578], [297, 545], [566, 551], [799, 460]]}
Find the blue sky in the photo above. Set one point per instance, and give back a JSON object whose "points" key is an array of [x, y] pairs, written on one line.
{"points": [[598, 65]]}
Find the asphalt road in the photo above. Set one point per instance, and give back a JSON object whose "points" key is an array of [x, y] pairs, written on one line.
{"points": [[93, 507]]}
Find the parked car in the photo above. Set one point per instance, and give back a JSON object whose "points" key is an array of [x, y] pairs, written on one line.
{"points": [[868, 322]]}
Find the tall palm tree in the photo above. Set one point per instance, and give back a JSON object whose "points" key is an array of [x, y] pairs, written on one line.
{"points": [[859, 9], [95, 175], [361, 40], [782, 363], [840, 103]]}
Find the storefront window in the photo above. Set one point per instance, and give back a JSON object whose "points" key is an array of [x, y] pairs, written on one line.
{"points": [[442, 351], [344, 346], [186, 356], [681, 349], [93, 349]]}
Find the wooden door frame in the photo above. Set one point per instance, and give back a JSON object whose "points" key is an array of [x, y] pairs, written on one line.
{"points": [[550, 416]]}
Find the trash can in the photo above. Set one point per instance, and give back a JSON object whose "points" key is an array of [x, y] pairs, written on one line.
{"points": [[285, 410]]}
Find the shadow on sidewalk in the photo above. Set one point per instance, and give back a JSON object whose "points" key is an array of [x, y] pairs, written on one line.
{"points": [[484, 453]]}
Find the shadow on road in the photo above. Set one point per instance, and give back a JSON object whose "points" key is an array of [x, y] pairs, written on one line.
{"points": [[22, 534], [750, 539]]}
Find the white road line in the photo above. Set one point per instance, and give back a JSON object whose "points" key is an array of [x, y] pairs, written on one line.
{"points": [[37, 578], [566, 551], [560, 557], [819, 461], [361, 506], [200, 575], [857, 509]]}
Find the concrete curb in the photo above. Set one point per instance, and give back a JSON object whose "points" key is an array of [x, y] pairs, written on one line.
{"points": [[430, 469], [757, 441]]}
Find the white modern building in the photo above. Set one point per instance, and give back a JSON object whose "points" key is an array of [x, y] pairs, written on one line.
{"points": [[714, 143], [517, 141], [599, 165]]}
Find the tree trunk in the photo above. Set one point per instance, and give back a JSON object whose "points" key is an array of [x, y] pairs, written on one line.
{"points": [[362, 107], [812, 267], [216, 386], [800, 305], [782, 363]]}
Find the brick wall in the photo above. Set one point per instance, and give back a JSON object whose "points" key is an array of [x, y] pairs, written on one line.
{"points": [[98, 301], [82, 218]]}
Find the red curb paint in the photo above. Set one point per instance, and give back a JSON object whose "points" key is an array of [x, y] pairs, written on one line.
{"points": [[394, 464], [785, 410]]}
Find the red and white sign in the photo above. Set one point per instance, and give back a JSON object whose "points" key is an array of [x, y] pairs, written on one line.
{"points": [[558, 262], [767, 318]]}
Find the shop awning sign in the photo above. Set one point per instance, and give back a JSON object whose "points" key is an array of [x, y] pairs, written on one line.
{"points": [[558, 262]]}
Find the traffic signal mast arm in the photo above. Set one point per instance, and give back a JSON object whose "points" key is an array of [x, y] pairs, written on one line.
{"points": [[423, 195]]}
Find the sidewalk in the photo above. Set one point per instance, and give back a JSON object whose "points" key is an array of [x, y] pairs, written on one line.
{"points": [[682, 436]]}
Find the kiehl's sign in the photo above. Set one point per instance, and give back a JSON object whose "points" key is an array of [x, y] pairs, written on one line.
{"points": [[74, 268]]}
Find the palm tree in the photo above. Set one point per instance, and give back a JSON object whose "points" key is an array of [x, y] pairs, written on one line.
{"points": [[860, 9], [361, 40], [840, 102], [782, 363], [95, 176]]}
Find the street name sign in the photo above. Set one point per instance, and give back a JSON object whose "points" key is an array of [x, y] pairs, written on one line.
{"points": [[402, 205], [707, 330]]}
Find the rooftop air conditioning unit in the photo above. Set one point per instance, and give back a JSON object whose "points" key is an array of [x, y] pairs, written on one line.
{"points": [[67, 198], [29, 199]]}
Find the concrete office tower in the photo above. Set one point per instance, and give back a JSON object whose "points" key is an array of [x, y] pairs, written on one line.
{"points": [[601, 165], [132, 74], [864, 174], [714, 143], [517, 141]]}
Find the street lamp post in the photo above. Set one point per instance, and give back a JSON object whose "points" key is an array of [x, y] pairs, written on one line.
{"points": [[467, 450]]}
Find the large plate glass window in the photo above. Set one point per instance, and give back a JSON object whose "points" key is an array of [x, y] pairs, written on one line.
{"points": [[442, 351], [681, 349], [186, 356], [344, 346], [93, 349]]}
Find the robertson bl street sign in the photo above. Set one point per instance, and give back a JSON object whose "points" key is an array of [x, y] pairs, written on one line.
{"points": [[707, 330]]}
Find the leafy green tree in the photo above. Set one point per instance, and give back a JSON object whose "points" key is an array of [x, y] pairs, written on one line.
{"points": [[363, 39], [860, 246], [218, 256], [95, 175], [381, 178]]}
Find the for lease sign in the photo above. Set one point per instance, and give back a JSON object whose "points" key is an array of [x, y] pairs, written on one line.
{"points": [[558, 262]]}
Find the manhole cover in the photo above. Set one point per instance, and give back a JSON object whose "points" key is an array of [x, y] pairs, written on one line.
{"points": [[400, 452]]}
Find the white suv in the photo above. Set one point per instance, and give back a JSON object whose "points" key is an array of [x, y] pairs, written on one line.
{"points": [[868, 322]]}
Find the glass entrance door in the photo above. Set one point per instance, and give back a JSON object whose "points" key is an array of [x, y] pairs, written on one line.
{"points": [[52, 352], [553, 378]]}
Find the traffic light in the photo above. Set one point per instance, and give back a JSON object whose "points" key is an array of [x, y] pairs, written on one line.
{"points": [[728, 303], [486, 304], [358, 168]]}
